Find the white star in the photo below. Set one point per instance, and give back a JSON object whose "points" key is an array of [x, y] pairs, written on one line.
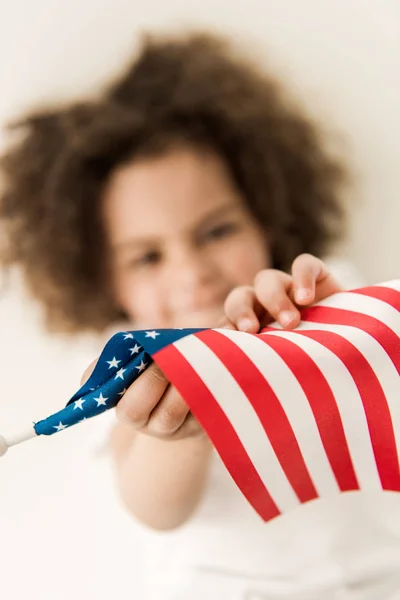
{"points": [[120, 374], [60, 427], [100, 400], [152, 334], [113, 363], [128, 336], [141, 367], [134, 350], [122, 393], [78, 403]]}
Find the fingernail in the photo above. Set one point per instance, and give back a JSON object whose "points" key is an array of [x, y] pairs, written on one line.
{"points": [[245, 324], [303, 294], [286, 317]]}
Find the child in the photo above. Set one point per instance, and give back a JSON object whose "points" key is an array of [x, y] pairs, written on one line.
{"points": [[189, 186]]}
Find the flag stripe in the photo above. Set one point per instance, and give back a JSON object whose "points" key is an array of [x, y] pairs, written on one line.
{"points": [[378, 330], [265, 402], [296, 406], [374, 401], [323, 405], [379, 361], [349, 404], [219, 429], [243, 418], [361, 305], [385, 294], [394, 285]]}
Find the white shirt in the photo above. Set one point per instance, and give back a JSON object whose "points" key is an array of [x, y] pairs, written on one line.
{"points": [[343, 548]]}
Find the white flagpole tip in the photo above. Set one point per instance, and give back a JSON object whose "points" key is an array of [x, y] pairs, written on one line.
{"points": [[13, 440], [3, 446]]}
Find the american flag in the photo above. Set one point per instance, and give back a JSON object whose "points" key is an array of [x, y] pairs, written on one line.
{"points": [[295, 416]]}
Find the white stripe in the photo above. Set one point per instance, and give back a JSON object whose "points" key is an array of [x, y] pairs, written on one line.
{"points": [[348, 401], [394, 285], [243, 418], [367, 306], [379, 361], [295, 404]]}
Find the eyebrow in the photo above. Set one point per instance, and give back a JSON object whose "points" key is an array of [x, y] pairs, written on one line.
{"points": [[220, 212], [207, 220]]}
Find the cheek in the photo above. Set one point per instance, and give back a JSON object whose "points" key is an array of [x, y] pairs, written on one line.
{"points": [[139, 299], [247, 257]]}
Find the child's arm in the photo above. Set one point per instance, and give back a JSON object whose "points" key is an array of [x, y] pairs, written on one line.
{"points": [[161, 453], [161, 482]]}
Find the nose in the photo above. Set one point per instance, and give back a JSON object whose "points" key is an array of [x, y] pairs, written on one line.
{"points": [[193, 276]]}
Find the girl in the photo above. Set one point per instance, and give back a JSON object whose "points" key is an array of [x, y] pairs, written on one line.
{"points": [[190, 185]]}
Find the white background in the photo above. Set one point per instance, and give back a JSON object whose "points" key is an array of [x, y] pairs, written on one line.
{"points": [[62, 534]]}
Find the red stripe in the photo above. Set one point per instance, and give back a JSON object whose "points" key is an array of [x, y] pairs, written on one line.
{"points": [[385, 336], [268, 408], [386, 294], [374, 401], [219, 429], [323, 406]]}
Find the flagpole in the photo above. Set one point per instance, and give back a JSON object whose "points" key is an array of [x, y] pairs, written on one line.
{"points": [[17, 438]]}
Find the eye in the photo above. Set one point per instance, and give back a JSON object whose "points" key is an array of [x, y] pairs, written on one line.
{"points": [[220, 231], [145, 260]]}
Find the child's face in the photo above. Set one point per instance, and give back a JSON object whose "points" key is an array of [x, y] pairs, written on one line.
{"points": [[181, 238]]}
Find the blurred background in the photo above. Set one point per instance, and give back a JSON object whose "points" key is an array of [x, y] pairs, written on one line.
{"points": [[62, 531]]}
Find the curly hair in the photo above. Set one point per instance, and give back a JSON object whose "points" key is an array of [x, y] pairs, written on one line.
{"points": [[193, 88]]}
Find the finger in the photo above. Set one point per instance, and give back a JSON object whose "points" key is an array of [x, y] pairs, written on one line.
{"points": [[190, 427], [305, 271], [168, 416], [273, 289], [312, 281], [225, 323], [141, 397], [88, 371], [241, 308]]}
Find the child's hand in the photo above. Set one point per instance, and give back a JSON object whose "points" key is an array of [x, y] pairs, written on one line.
{"points": [[153, 407], [276, 295]]}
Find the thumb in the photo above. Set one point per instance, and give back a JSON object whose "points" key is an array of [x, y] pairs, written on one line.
{"points": [[88, 371]]}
